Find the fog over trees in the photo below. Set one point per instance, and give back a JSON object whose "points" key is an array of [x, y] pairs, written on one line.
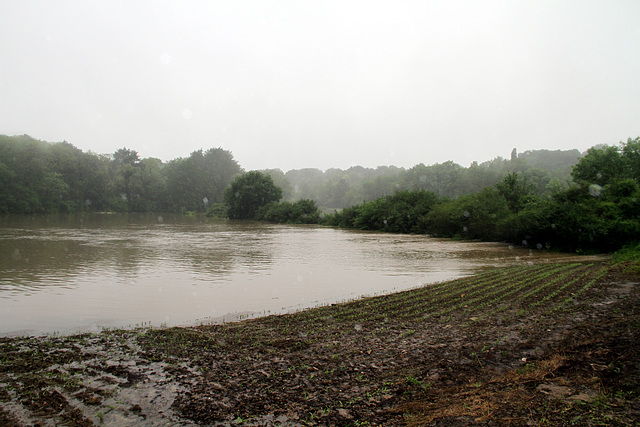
{"points": [[42, 177], [557, 199], [598, 210]]}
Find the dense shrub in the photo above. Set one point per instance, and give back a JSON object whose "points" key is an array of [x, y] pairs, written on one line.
{"points": [[398, 213], [300, 212], [474, 216]]}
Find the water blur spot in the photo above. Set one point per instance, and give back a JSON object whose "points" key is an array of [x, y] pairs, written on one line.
{"points": [[466, 214], [595, 190], [525, 243], [160, 219], [539, 246], [16, 256], [465, 229], [357, 327], [165, 58], [205, 201]]}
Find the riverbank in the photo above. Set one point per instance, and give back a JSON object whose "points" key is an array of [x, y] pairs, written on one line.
{"points": [[529, 345]]}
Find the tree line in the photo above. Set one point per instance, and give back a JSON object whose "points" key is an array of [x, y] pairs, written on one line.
{"points": [[545, 199], [42, 177], [598, 211], [336, 188]]}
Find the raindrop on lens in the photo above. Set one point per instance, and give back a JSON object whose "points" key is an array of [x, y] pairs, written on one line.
{"points": [[595, 190]]}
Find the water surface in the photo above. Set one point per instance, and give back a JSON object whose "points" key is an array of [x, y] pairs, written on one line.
{"points": [[65, 274]]}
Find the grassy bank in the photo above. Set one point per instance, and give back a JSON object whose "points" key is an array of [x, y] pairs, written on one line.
{"points": [[553, 344]]}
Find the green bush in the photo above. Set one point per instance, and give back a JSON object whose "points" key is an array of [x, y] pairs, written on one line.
{"points": [[474, 216], [300, 212], [249, 192], [398, 213]]}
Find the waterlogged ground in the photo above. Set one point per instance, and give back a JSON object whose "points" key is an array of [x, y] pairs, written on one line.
{"points": [[552, 344]]}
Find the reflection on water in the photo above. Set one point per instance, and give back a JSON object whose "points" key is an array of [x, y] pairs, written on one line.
{"points": [[67, 273]]}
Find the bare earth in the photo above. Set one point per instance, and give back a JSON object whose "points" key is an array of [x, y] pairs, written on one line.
{"points": [[534, 345]]}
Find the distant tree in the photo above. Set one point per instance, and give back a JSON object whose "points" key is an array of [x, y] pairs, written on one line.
{"points": [[123, 167], [248, 192], [557, 163], [195, 182], [124, 156], [516, 190], [280, 180]]}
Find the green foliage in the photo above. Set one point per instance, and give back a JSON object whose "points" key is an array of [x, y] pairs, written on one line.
{"points": [[522, 200], [248, 193], [217, 210], [601, 166], [474, 216], [41, 177], [338, 188], [344, 218], [580, 218], [598, 213], [516, 190], [301, 212], [399, 213], [200, 179], [630, 255]]}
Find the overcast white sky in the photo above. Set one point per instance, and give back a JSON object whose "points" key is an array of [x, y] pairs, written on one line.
{"points": [[295, 84]]}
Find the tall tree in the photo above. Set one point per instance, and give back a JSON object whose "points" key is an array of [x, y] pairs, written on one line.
{"points": [[249, 192], [200, 179], [516, 190]]}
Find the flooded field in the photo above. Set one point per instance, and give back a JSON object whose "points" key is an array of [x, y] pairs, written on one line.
{"points": [[64, 274]]}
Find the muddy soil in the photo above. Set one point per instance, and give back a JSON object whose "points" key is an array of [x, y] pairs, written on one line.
{"points": [[480, 354]]}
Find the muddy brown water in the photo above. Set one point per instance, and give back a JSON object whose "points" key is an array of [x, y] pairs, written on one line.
{"points": [[67, 274]]}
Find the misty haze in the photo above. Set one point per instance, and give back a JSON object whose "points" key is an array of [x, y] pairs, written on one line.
{"points": [[336, 213]]}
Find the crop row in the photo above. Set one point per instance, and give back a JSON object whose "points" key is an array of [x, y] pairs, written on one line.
{"points": [[500, 291], [539, 287], [544, 289]]}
